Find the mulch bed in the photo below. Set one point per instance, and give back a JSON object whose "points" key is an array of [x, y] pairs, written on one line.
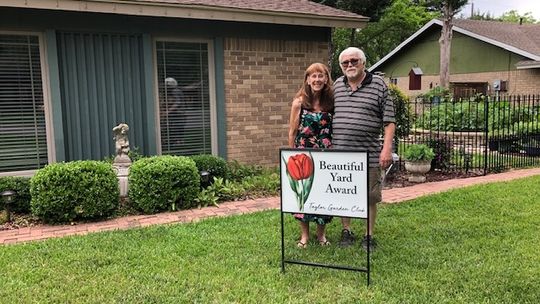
{"points": [[399, 179]]}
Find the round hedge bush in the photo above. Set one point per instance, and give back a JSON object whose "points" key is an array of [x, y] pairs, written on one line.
{"points": [[216, 166], [161, 182], [21, 185], [65, 192]]}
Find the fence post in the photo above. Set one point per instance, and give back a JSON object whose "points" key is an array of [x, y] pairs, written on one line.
{"points": [[486, 133]]}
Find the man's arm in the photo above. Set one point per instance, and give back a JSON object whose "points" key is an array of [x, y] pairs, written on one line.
{"points": [[385, 159]]}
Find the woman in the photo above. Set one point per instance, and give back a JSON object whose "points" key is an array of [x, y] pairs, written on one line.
{"points": [[311, 127]]}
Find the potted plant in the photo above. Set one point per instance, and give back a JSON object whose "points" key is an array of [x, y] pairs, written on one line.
{"points": [[418, 159]]}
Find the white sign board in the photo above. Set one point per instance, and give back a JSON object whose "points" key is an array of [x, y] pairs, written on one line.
{"points": [[328, 182]]}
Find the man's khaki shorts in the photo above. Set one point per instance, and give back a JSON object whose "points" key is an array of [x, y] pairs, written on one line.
{"points": [[375, 185]]}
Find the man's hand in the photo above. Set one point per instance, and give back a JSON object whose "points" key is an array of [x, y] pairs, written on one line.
{"points": [[385, 159]]}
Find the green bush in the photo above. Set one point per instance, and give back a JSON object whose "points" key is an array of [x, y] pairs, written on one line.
{"points": [[419, 152], [402, 109], [437, 94], [163, 182], [238, 171], [21, 185], [65, 192], [216, 166], [503, 118], [443, 149], [262, 185]]}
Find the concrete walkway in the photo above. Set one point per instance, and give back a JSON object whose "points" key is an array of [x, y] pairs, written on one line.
{"points": [[394, 195]]}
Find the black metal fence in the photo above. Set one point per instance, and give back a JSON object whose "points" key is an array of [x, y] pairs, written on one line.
{"points": [[478, 134]]}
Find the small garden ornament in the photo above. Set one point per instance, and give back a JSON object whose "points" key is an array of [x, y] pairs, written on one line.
{"points": [[122, 161]]}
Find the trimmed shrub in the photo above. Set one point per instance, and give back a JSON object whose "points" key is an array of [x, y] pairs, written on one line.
{"points": [[216, 166], [21, 185], [65, 192], [163, 182]]}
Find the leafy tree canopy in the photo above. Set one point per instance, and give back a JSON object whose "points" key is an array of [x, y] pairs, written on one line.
{"points": [[440, 5], [398, 22], [368, 8], [514, 17]]}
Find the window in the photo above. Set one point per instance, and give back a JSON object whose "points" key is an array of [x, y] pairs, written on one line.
{"points": [[23, 135], [184, 98]]}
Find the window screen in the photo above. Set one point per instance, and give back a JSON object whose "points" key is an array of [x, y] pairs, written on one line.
{"points": [[184, 103], [23, 138]]}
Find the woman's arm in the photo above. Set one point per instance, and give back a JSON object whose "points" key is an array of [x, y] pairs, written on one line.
{"points": [[294, 120]]}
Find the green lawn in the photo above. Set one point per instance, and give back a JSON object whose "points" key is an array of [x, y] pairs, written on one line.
{"points": [[475, 245]]}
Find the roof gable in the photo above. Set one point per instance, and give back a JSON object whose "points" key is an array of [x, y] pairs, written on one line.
{"points": [[519, 39]]}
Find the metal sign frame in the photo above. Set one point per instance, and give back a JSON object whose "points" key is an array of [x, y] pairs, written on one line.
{"points": [[284, 260]]}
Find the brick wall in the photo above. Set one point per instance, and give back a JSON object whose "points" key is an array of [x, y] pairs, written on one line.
{"points": [[261, 79], [520, 82]]}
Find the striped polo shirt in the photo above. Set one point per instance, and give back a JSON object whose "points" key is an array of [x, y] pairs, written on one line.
{"points": [[360, 115]]}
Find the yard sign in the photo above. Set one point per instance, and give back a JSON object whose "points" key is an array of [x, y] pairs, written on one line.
{"points": [[324, 182]]}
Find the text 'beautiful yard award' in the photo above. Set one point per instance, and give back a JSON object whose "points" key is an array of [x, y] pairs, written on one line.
{"points": [[325, 182]]}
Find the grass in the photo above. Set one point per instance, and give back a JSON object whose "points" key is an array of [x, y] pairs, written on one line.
{"points": [[474, 245]]}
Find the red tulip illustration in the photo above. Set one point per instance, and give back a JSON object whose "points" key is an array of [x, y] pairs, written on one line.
{"points": [[300, 166], [300, 171]]}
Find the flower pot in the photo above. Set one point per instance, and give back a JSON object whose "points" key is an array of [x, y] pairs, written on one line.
{"points": [[418, 169]]}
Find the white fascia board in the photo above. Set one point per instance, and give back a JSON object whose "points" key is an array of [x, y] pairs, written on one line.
{"points": [[126, 7], [528, 66]]}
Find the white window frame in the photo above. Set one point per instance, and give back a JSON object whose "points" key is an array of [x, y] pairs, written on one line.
{"points": [[211, 88], [49, 130]]}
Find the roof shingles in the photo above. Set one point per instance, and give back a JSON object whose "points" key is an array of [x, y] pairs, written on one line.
{"points": [[284, 6], [525, 37]]}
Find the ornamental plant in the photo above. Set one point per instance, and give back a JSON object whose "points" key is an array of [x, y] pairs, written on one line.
{"points": [[300, 173], [164, 182], [419, 152], [21, 186], [215, 165], [64, 192]]}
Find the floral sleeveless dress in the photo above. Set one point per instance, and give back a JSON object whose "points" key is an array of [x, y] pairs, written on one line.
{"points": [[314, 131]]}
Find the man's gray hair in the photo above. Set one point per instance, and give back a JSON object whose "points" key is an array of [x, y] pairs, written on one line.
{"points": [[353, 51]]}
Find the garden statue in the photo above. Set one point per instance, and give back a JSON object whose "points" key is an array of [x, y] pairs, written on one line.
{"points": [[121, 160], [121, 143]]}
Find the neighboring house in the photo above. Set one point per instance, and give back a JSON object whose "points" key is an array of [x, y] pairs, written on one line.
{"points": [[72, 70], [486, 57]]}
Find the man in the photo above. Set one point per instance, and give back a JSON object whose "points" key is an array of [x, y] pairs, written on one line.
{"points": [[362, 108]]}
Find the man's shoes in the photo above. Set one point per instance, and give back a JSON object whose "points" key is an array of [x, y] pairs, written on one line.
{"points": [[347, 238], [372, 243]]}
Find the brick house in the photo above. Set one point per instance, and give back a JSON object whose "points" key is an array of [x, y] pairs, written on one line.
{"points": [[486, 57], [188, 77]]}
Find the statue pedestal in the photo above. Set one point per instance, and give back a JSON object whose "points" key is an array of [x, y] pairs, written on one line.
{"points": [[122, 172]]}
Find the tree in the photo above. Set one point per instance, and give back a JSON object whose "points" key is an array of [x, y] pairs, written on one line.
{"points": [[482, 16], [399, 21], [368, 8], [395, 24], [448, 9], [514, 17]]}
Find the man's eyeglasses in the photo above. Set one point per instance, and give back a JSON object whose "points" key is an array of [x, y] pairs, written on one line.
{"points": [[354, 62]]}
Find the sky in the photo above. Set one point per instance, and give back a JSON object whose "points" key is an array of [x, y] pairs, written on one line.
{"points": [[498, 7]]}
